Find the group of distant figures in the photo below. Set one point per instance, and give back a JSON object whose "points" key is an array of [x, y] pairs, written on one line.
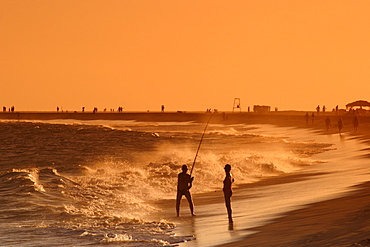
{"points": [[185, 182], [11, 109], [209, 110], [95, 109], [340, 123], [336, 109]]}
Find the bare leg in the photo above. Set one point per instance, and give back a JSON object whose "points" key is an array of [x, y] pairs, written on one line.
{"points": [[190, 201], [228, 205], [178, 200]]}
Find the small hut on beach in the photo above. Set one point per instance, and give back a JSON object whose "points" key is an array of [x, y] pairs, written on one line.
{"points": [[261, 108]]}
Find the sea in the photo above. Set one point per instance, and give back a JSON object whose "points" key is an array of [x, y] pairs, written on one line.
{"points": [[95, 183]]}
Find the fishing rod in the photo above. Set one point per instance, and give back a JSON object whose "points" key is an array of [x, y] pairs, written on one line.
{"points": [[200, 143]]}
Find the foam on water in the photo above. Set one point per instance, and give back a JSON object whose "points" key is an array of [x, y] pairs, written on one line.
{"points": [[91, 182], [335, 164]]}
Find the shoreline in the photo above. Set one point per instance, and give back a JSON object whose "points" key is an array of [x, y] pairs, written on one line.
{"points": [[278, 118], [343, 221]]}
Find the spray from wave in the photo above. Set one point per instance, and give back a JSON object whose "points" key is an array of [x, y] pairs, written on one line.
{"points": [[95, 183]]}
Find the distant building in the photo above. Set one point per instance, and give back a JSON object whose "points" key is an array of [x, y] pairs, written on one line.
{"points": [[261, 108]]}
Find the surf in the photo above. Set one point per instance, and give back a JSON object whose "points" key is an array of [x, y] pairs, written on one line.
{"points": [[96, 182]]}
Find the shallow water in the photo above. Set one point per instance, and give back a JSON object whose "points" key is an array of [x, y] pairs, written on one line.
{"points": [[341, 166], [73, 183]]}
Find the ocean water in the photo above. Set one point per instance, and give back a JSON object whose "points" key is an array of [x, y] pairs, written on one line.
{"points": [[75, 183]]}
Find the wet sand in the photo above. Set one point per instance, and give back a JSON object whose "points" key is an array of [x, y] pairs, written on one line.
{"points": [[342, 221]]}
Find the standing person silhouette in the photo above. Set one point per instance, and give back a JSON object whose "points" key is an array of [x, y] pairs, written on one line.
{"points": [[327, 123], [306, 117], [228, 191], [313, 118], [184, 183], [355, 123], [340, 126]]}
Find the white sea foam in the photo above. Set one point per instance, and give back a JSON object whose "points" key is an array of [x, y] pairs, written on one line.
{"points": [[96, 180]]}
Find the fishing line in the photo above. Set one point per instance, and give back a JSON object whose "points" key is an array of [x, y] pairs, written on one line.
{"points": [[200, 143]]}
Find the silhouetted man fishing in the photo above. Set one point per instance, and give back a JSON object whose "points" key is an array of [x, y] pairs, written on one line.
{"points": [[184, 184], [185, 181]]}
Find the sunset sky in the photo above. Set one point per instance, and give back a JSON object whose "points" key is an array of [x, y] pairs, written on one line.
{"points": [[187, 55]]}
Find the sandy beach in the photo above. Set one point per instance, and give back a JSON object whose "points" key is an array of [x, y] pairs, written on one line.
{"points": [[341, 221], [338, 222]]}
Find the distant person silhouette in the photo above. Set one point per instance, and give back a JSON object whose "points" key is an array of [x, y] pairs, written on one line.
{"points": [[327, 123], [355, 123], [313, 118], [184, 183], [162, 108], [306, 117], [318, 109], [228, 191], [340, 125]]}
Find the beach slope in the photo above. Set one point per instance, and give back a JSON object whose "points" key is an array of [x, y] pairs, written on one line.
{"points": [[342, 221]]}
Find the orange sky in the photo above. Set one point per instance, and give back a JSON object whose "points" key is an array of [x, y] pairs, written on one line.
{"points": [[188, 55]]}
